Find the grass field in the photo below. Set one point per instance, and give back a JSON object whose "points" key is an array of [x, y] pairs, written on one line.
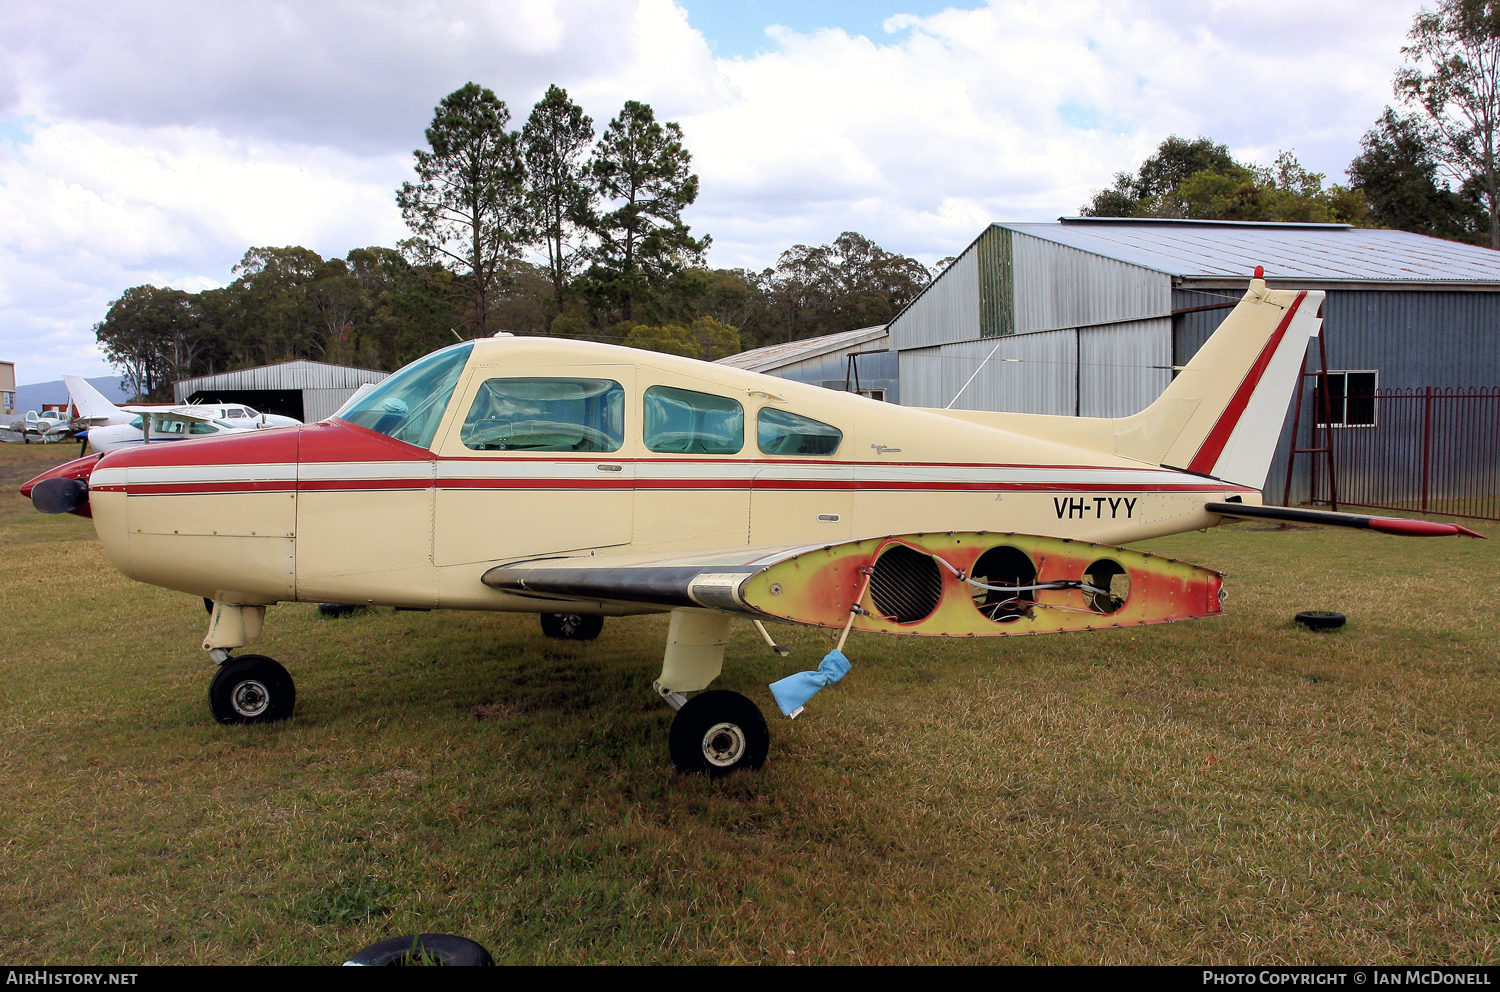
{"points": [[1235, 790]]}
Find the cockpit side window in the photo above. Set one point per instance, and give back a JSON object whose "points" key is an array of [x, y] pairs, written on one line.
{"points": [[690, 422], [781, 432], [546, 414], [409, 405]]}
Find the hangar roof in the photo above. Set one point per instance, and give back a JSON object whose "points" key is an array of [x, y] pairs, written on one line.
{"points": [[1192, 249], [775, 356], [299, 374]]}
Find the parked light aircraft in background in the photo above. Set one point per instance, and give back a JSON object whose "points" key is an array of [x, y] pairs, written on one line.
{"points": [[580, 480], [113, 427], [49, 425]]}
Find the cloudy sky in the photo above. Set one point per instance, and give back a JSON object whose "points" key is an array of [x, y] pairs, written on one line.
{"points": [[155, 142]]}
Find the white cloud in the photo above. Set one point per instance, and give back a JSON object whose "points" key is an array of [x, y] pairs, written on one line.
{"points": [[1020, 110], [166, 138]]}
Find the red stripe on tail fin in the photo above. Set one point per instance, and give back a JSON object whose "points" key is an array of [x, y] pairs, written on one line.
{"points": [[1213, 446]]}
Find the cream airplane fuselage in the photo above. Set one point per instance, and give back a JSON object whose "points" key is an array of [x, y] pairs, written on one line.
{"points": [[335, 512]]}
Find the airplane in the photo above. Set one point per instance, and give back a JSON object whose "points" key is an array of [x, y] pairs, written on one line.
{"points": [[580, 481], [49, 425], [112, 427]]}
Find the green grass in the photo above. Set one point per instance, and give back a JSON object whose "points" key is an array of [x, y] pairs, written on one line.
{"points": [[1235, 790]]}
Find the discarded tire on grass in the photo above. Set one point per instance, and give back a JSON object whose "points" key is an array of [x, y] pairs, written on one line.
{"points": [[1320, 619], [424, 949]]}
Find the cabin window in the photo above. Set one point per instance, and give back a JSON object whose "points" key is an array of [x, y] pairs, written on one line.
{"points": [[198, 428], [546, 414], [682, 421], [783, 433], [409, 404]]}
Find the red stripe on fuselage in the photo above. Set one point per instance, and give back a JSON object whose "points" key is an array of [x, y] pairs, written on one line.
{"points": [[1208, 455], [542, 485]]}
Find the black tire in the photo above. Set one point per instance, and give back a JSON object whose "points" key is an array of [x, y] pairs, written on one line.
{"points": [[437, 948], [717, 733], [337, 609], [1320, 619], [252, 689], [208, 605], [572, 626]]}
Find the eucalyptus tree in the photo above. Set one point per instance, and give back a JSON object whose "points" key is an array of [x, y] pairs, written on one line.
{"points": [[1452, 78], [642, 170], [467, 208], [555, 143]]}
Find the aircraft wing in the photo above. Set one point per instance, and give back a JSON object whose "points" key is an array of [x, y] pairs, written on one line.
{"points": [[963, 584], [176, 413]]}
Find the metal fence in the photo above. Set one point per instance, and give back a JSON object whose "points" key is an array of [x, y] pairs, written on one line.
{"points": [[1428, 450]]}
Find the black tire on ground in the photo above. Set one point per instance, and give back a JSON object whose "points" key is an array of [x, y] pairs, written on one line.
{"points": [[437, 948], [572, 626], [719, 732], [336, 609], [208, 605], [251, 689], [1320, 619]]}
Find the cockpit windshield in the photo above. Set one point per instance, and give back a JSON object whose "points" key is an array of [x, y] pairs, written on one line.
{"points": [[408, 405]]}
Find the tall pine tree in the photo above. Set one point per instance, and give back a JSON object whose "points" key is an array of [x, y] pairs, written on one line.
{"points": [[555, 143], [467, 209], [641, 168]]}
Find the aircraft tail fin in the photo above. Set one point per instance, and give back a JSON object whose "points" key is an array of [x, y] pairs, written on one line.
{"points": [[91, 404], [1222, 414]]}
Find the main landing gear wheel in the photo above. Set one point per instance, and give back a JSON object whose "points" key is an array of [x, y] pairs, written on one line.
{"points": [[252, 689], [719, 732], [572, 626]]}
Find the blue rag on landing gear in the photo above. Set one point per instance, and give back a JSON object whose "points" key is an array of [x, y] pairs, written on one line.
{"points": [[793, 692]]}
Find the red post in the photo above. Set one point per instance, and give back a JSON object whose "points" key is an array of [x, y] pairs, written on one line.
{"points": [[1426, 444]]}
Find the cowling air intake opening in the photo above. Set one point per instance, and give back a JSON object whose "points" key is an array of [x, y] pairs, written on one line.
{"points": [[906, 584], [1110, 585], [999, 581]]}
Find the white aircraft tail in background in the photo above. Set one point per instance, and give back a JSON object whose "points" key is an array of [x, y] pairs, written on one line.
{"points": [[93, 408]]}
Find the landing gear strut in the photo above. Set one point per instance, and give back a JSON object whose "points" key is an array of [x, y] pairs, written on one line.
{"points": [[251, 689], [719, 732]]}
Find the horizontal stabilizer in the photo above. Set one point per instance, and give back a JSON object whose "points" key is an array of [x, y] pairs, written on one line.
{"points": [[1387, 525]]}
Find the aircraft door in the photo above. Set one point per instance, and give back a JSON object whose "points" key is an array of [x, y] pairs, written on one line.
{"points": [[693, 479], [535, 461]]}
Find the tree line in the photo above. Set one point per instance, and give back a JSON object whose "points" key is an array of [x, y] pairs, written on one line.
{"points": [[1428, 165], [549, 229]]}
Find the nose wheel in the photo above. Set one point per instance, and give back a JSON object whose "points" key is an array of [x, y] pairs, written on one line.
{"points": [[718, 732], [251, 689]]}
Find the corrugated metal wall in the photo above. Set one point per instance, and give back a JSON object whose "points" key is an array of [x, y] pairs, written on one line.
{"points": [[1041, 380], [1057, 287], [997, 283], [1123, 367], [320, 404], [947, 311]]}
